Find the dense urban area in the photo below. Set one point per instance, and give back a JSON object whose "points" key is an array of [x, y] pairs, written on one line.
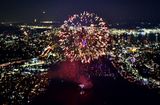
{"points": [[27, 52]]}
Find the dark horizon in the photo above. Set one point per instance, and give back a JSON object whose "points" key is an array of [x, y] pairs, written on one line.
{"points": [[58, 10]]}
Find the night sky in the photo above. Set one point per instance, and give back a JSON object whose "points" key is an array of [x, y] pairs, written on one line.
{"points": [[59, 10]]}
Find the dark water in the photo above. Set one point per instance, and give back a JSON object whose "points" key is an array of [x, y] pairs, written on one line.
{"points": [[106, 91]]}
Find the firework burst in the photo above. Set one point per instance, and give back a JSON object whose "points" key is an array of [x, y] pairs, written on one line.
{"points": [[84, 37]]}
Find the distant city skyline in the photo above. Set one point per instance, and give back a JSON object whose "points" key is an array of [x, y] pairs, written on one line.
{"points": [[59, 10]]}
